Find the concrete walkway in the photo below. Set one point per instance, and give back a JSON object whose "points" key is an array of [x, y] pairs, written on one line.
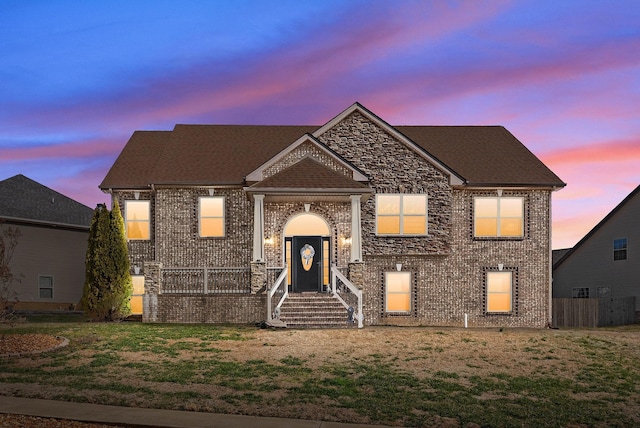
{"points": [[132, 416]]}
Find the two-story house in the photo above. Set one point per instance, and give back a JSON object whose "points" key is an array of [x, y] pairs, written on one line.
{"points": [[405, 225], [48, 260], [605, 263]]}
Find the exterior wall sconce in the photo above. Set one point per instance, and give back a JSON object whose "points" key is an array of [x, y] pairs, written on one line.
{"points": [[346, 241], [269, 241], [398, 267]]}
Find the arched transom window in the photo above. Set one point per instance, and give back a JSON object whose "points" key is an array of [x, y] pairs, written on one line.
{"points": [[306, 224]]}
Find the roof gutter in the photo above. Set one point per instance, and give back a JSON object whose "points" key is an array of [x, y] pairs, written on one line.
{"points": [[45, 223]]}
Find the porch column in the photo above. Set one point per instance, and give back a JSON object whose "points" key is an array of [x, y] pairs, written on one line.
{"points": [[356, 229], [258, 228]]}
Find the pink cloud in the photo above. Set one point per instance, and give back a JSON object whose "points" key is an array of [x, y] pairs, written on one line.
{"points": [[83, 187], [612, 151], [68, 150]]}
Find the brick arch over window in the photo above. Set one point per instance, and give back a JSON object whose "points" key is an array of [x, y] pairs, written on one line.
{"points": [[322, 212]]}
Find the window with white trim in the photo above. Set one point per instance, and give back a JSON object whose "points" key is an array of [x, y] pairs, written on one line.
{"points": [[137, 220], [498, 217], [211, 217], [401, 214], [397, 292], [580, 292], [620, 249], [45, 287]]}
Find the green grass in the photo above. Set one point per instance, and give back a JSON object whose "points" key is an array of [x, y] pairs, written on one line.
{"points": [[187, 367]]}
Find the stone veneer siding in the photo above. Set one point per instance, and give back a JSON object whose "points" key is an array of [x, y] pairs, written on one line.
{"points": [[393, 167]]}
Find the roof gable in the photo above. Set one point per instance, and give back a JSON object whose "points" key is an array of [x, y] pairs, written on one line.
{"points": [[27, 200], [259, 173], [454, 178], [635, 193], [309, 174]]}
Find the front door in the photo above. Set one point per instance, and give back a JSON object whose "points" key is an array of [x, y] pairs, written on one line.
{"points": [[306, 258]]}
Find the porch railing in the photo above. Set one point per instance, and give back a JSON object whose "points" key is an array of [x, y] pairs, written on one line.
{"points": [[278, 292], [210, 280], [348, 294]]}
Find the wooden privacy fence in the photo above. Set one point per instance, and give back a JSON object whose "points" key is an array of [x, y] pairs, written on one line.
{"points": [[594, 312]]}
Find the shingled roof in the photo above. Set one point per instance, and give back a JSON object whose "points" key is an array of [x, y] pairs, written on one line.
{"points": [[309, 174], [23, 199], [226, 154]]}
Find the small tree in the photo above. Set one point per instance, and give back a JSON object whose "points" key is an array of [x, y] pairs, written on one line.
{"points": [[9, 237], [108, 285]]}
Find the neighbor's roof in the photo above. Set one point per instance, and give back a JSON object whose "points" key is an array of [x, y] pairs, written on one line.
{"points": [[23, 199], [226, 154]]}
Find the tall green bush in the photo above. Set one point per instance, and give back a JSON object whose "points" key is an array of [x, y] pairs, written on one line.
{"points": [[108, 286]]}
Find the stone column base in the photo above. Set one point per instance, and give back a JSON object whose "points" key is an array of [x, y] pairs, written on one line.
{"points": [[258, 277]]}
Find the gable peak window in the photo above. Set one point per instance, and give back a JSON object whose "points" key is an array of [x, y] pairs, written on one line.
{"points": [[401, 214], [211, 216], [498, 216], [620, 249], [137, 219]]}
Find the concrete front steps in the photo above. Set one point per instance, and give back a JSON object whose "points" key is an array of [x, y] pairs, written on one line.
{"points": [[314, 310]]}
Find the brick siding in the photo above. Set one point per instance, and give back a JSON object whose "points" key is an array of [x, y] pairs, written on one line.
{"points": [[448, 265]]}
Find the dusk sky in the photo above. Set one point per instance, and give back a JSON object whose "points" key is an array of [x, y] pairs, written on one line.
{"points": [[78, 77]]}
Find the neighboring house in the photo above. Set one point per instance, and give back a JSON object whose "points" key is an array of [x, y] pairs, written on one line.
{"points": [[606, 262], [49, 257], [430, 225]]}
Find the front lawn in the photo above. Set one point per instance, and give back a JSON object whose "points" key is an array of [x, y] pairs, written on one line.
{"points": [[381, 375]]}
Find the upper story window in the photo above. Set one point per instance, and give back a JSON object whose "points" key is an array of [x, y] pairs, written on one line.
{"points": [[620, 249], [498, 217], [211, 216], [137, 219], [400, 214]]}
